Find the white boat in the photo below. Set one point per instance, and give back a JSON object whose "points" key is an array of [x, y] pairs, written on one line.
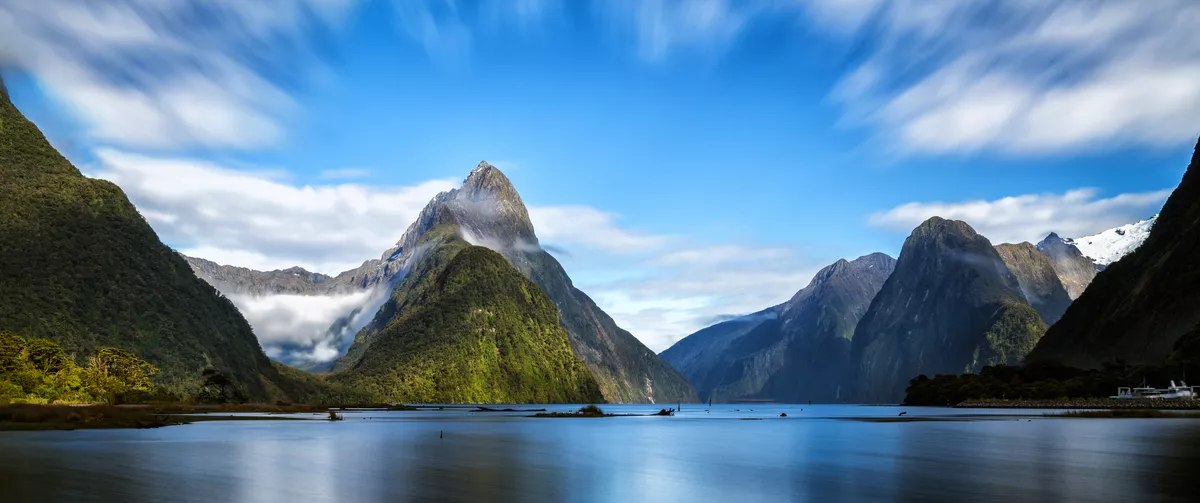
{"points": [[1180, 391]]}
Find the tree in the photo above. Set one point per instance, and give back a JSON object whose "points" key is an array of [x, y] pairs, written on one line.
{"points": [[113, 373]]}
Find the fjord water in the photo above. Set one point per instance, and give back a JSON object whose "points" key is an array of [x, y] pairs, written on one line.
{"points": [[702, 454]]}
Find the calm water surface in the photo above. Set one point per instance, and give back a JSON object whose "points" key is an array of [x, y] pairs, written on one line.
{"points": [[697, 456]]}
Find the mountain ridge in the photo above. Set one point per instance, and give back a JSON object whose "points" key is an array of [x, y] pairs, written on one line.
{"points": [[950, 306], [1139, 307], [794, 352]]}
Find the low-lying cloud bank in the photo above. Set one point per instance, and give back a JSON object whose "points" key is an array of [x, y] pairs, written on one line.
{"points": [[308, 329]]}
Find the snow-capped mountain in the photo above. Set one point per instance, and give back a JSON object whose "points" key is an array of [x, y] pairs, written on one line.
{"points": [[1109, 246]]}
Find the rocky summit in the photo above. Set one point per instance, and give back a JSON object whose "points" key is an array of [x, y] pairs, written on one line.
{"points": [[487, 211], [1038, 280], [951, 306], [1074, 270]]}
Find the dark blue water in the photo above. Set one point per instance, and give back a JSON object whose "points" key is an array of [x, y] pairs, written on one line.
{"points": [[697, 456]]}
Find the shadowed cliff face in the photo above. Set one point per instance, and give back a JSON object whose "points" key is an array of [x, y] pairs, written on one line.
{"points": [[1074, 270], [795, 352], [487, 211], [950, 306], [1137, 309], [1037, 278]]}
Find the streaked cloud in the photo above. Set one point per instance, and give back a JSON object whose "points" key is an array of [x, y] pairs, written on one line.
{"points": [[1026, 77], [1031, 217], [589, 227], [165, 74]]}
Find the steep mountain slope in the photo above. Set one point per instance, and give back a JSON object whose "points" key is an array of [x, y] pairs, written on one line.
{"points": [[81, 267], [1074, 270], [487, 211], [470, 329], [950, 306], [797, 351], [1138, 308], [1109, 246], [1039, 282], [704, 355]]}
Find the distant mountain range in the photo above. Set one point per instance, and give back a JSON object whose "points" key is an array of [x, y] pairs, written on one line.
{"points": [[954, 303], [794, 352], [468, 307]]}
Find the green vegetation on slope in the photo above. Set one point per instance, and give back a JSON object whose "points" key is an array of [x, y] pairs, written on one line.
{"points": [[468, 328], [1012, 334], [81, 267], [38, 371]]}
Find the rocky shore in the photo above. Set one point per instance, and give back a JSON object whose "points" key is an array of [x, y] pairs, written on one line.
{"points": [[1084, 403]]}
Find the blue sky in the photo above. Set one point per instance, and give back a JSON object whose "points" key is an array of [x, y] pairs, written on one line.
{"points": [[693, 159]]}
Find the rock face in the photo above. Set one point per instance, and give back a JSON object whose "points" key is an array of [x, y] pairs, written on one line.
{"points": [[1074, 270], [81, 267], [794, 352], [1038, 280], [488, 211], [1139, 307], [293, 280], [951, 306], [469, 328]]}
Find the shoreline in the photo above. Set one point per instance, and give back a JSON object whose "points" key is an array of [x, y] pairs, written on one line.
{"points": [[42, 417], [1085, 404]]}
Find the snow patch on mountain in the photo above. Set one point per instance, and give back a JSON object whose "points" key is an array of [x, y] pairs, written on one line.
{"points": [[1109, 246]]}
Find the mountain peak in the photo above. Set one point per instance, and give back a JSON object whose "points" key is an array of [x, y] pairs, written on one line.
{"points": [[938, 225], [488, 182], [3, 90]]}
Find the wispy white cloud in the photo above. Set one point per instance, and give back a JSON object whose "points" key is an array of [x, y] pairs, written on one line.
{"points": [[589, 227], [690, 287], [661, 27], [260, 220], [168, 74], [447, 29], [345, 173], [1027, 77], [1031, 217]]}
